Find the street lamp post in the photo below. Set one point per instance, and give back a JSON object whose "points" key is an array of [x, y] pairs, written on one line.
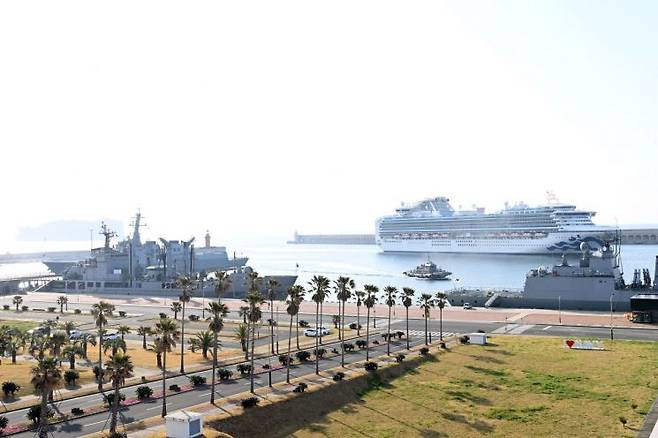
{"points": [[559, 309]]}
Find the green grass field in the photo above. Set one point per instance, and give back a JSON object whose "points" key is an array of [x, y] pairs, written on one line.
{"points": [[21, 325], [516, 387]]}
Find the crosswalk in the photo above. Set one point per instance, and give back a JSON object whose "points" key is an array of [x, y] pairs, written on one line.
{"points": [[434, 334], [513, 329]]}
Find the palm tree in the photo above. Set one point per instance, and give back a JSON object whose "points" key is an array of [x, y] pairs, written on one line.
{"points": [[426, 304], [39, 344], [49, 325], [272, 286], [441, 299], [243, 312], [168, 335], [187, 285], [46, 376], [156, 347], [16, 341], [87, 338], [204, 341], [254, 300], [242, 335], [67, 327], [123, 330], [390, 292], [17, 301], [222, 284], [407, 301], [115, 345], [63, 301], [295, 297], [57, 341], [144, 332], [70, 352], [176, 307], [360, 295], [101, 311], [218, 312], [119, 368], [343, 287], [319, 287], [369, 302]]}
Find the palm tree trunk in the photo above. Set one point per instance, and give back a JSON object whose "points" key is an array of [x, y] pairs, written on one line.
{"points": [[253, 341], [214, 366], [426, 329], [289, 348], [368, 335], [407, 307], [72, 362], [13, 356], [388, 335], [317, 338], [358, 320], [164, 383], [272, 323], [441, 323], [297, 329], [115, 410], [341, 330], [100, 360], [321, 315], [43, 418], [144, 341], [182, 339]]}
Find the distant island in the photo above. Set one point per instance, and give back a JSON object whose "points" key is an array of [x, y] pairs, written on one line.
{"points": [[68, 230]]}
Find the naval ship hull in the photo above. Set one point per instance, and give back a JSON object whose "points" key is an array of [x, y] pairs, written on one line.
{"points": [[238, 287]]}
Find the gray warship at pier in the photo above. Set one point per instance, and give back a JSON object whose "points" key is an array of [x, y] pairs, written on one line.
{"points": [[594, 282], [150, 269]]}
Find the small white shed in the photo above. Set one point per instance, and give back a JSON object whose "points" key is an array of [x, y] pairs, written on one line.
{"points": [[477, 338], [184, 424]]}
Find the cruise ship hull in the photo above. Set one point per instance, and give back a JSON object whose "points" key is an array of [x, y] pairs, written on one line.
{"points": [[567, 242]]}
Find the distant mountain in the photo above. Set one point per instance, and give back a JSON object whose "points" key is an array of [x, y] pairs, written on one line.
{"points": [[70, 230]]}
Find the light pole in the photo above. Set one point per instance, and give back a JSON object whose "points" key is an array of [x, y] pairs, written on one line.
{"points": [[559, 309], [612, 334]]}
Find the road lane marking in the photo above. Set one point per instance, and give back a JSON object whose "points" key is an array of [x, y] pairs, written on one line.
{"points": [[521, 329], [154, 407], [204, 395], [506, 328], [93, 424], [547, 327]]}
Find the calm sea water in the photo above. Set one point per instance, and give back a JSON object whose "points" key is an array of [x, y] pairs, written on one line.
{"points": [[367, 264]]}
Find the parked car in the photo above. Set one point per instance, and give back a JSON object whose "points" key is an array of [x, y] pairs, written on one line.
{"points": [[74, 335], [110, 337], [467, 306], [321, 331]]}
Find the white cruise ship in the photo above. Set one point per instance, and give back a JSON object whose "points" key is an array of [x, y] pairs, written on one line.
{"points": [[432, 225]]}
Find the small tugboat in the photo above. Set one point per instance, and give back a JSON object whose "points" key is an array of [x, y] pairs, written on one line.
{"points": [[428, 271]]}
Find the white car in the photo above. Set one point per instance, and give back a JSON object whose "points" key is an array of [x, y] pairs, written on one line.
{"points": [[110, 337], [467, 306], [75, 334], [321, 331]]}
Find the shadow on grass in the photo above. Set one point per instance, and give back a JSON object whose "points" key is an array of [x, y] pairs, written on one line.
{"points": [[479, 425], [310, 409], [489, 359], [486, 371]]}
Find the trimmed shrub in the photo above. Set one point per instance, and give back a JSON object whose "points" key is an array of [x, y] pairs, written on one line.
{"points": [[250, 402], [244, 368], [399, 334], [77, 311], [122, 313], [339, 376], [70, 376], [464, 339], [174, 387], [371, 366], [6, 306], [303, 323], [284, 359], [144, 392], [376, 342], [25, 308], [34, 414], [4, 422], [400, 357], [348, 346], [442, 345], [354, 327], [320, 352], [303, 355], [162, 315], [361, 344], [197, 380], [300, 388], [52, 309], [108, 398], [224, 374], [77, 411], [10, 388], [194, 317], [424, 351]]}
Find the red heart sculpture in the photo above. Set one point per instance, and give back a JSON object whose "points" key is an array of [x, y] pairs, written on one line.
{"points": [[570, 343]]}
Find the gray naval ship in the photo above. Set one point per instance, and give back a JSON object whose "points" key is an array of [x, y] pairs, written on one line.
{"points": [[594, 282], [150, 269]]}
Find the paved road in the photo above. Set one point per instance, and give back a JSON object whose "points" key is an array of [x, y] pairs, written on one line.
{"points": [[94, 423]]}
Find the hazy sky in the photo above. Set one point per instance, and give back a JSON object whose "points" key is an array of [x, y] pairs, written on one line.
{"points": [[258, 118]]}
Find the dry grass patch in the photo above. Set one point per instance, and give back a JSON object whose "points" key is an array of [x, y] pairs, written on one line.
{"points": [[517, 387], [20, 373]]}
